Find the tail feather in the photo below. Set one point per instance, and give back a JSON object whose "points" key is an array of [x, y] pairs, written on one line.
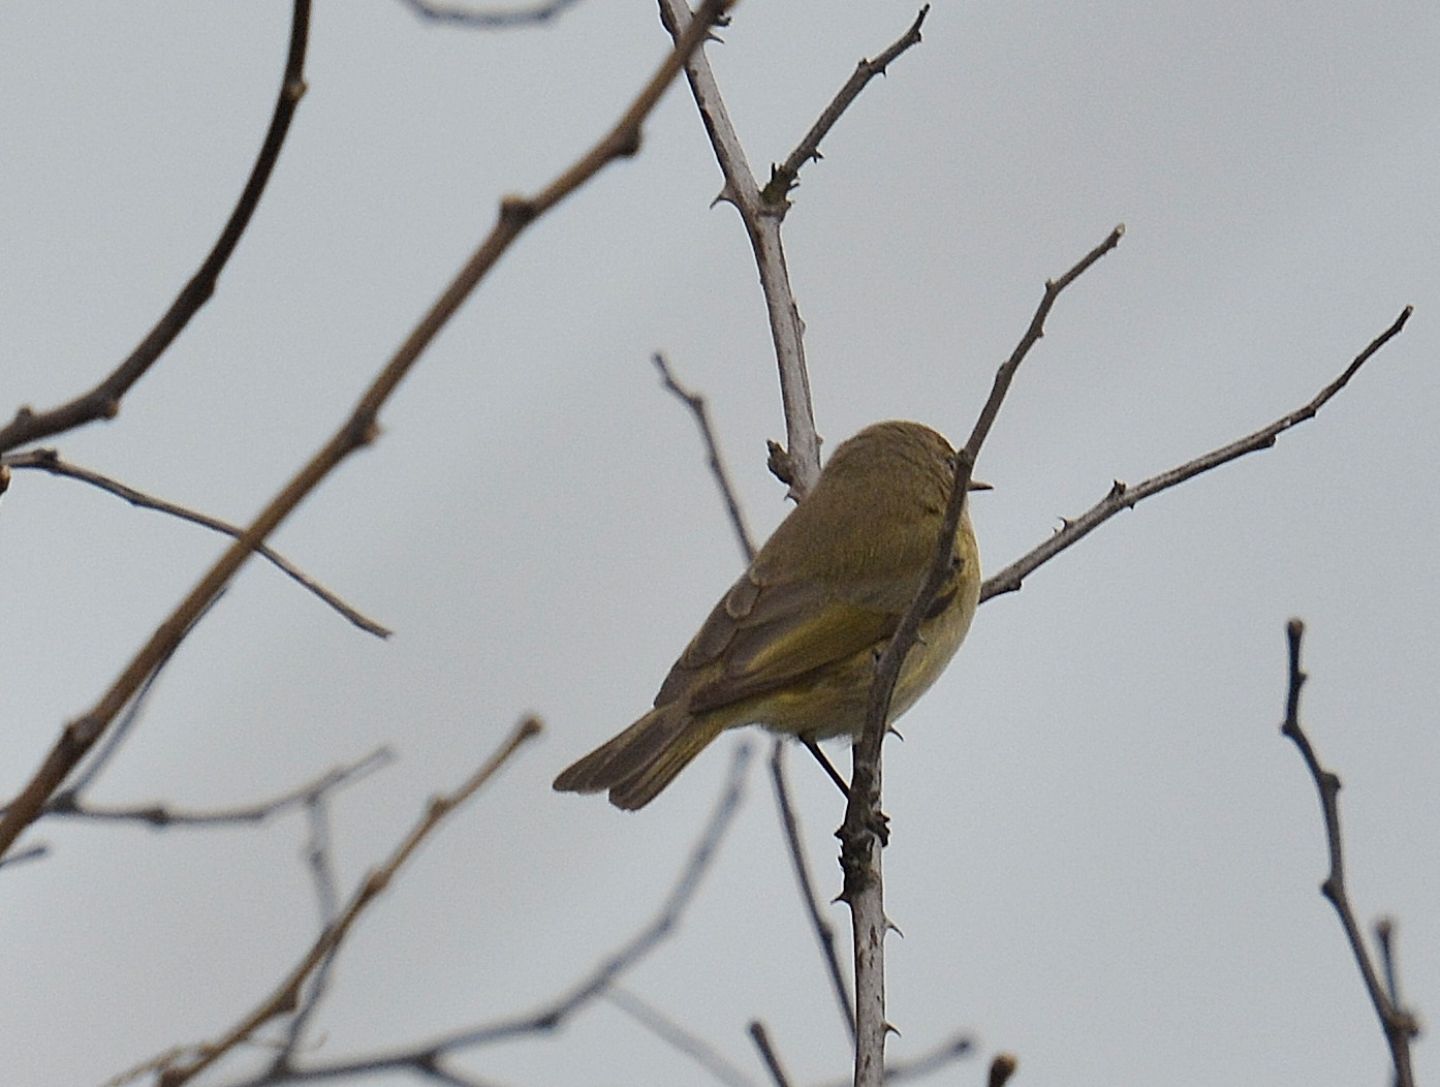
{"points": [[642, 760]]}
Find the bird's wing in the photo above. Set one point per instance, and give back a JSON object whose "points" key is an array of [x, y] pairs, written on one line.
{"points": [[760, 638]]}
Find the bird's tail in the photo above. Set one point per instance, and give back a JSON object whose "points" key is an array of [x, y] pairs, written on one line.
{"points": [[643, 759]]}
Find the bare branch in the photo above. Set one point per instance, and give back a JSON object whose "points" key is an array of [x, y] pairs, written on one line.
{"points": [[497, 18], [824, 931], [1397, 1023], [68, 803], [798, 465], [677, 1037], [286, 996], [426, 1059], [49, 460], [103, 401], [861, 832], [361, 428], [786, 176], [107, 750], [947, 1052], [696, 403], [761, 1038], [1122, 497]]}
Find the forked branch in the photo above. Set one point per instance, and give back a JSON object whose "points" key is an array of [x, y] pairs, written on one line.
{"points": [[358, 430]]}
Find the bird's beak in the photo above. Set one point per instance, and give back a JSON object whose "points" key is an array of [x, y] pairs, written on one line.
{"points": [[979, 485]]}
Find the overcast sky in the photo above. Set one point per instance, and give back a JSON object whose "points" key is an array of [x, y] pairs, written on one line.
{"points": [[1104, 856]]}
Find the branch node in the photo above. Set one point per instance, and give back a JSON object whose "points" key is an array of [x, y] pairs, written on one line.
{"points": [[516, 211]]}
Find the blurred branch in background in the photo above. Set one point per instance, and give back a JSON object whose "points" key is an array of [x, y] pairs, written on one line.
{"points": [[485, 17], [103, 401], [1397, 1022], [49, 460], [68, 803], [287, 995], [430, 1060]]}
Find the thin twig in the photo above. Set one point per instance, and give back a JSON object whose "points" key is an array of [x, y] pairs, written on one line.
{"points": [[68, 803], [786, 176], [105, 753], [424, 1059], [761, 1037], [696, 403], [860, 833], [49, 460], [1123, 497], [103, 401], [824, 931], [357, 431], [20, 856], [1398, 1025], [677, 1037], [286, 995], [320, 861], [947, 1052], [489, 18]]}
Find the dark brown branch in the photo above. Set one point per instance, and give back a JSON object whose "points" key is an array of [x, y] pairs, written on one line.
{"points": [[496, 18], [1397, 1023], [761, 1038], [49, 460], [67, 803], [103, 401], [1123, 497], [696, 403], [427, 1059], [861, 832], [286, 996], [361, 428], [786, 176]]}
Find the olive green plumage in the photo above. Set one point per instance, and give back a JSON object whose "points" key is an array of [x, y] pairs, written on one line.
{"points": [[792, 645]]}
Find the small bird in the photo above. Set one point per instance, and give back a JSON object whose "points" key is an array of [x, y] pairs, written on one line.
{"points": [[792, 646]]}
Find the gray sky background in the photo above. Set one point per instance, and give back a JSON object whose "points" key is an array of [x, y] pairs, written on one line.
{"points": [[1105, 857]]}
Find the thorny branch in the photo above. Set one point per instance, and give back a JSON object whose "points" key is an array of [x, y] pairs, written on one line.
{"points": [[1123, 497], [786, 176], [860, 834]]}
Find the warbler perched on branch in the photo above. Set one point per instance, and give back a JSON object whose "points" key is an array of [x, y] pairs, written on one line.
{"points": [[792, 646]]}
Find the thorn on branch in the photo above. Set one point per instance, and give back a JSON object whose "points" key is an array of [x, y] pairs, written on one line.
{"points": [[781, 466]]}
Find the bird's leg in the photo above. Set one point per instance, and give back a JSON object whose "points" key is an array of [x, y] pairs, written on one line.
{"points": [[814, 749]]}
